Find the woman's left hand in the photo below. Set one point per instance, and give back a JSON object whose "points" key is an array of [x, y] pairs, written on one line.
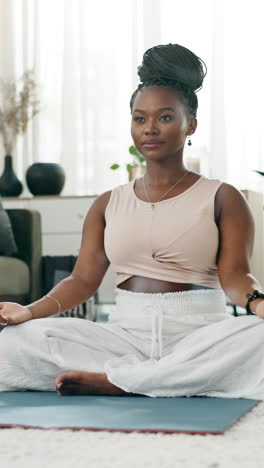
{"points": [[260, 309]]}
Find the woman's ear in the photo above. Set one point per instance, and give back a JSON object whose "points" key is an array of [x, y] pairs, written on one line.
{"points": [[192, 125]]}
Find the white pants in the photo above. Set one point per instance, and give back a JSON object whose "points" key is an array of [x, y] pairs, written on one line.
{"points": [[155, 344]]}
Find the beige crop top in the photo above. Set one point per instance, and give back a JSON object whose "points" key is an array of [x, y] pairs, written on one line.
{"points": [[176, 242]]}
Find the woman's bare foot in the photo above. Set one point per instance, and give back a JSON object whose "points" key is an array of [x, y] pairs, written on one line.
{"points": [[86, 383]]}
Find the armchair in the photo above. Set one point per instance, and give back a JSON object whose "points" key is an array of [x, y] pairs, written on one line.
{"points": [[20, 274]]}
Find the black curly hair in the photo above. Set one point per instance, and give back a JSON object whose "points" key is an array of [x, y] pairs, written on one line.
{"points": [[172, 66]]}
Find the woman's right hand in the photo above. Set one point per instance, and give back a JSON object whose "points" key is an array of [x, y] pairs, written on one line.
{"points": [[12, 313]]}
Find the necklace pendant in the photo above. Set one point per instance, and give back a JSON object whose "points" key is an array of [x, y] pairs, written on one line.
{"points": [[152, 207]]}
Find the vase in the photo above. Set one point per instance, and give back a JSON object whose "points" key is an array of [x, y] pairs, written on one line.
{"points": [[10, 185], [45, 178], [136, 171]]}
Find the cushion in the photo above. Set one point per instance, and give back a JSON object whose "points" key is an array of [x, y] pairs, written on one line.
{"points": [[7, 240], [16, 278]]}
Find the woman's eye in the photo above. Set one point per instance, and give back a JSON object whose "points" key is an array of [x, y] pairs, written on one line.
{"points": [[139, 119], [166, 117]]}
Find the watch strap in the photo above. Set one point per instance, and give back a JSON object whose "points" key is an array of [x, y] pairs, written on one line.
{"points": [[251, 297]]}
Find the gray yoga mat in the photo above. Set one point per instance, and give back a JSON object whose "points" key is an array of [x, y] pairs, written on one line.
{"points": [[139, 413]]}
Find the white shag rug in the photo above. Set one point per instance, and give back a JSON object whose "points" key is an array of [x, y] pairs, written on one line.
{"points": [[241, 446]]}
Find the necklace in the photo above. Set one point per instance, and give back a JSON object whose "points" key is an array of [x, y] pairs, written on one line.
{"points": [[153, 203]]}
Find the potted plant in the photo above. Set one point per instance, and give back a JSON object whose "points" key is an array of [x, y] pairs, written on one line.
{"points": [[138, 166], [18, 105]]}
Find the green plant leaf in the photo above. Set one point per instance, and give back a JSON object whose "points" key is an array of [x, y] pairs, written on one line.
{"points": [[128, 166], [115, 166], [132, 150]]}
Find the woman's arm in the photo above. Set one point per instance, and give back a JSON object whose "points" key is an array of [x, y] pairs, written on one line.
{"points": [[236, 237], [82, 283]]}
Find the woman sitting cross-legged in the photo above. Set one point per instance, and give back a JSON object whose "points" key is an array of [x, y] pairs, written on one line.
{"points": [[179, 243]]}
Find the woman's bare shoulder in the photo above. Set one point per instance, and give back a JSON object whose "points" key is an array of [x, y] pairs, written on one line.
{"points": [[102, 201], [226, 192], [231, 201]]}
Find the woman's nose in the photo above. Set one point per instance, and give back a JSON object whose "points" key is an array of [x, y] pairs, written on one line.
{"points": [[151, 127]]}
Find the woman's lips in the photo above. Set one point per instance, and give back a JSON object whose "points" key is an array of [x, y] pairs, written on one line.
{"points": [[152, 145]]}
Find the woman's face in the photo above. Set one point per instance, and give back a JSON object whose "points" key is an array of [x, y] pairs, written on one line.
{"points": [[160, 122]]}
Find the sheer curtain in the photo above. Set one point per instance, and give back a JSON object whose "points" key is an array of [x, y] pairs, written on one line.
{"points": [[244, 92], [228, 35], [85, 56]]}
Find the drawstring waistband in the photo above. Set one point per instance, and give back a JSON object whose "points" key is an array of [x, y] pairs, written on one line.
{"points": [[165, 315]]}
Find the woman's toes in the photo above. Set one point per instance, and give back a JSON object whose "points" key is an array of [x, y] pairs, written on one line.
{"points": [[62, 380], [67, 389]]}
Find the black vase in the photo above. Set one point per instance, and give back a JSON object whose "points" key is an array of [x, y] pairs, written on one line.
{"points": [[45, 178], [10, 185]]}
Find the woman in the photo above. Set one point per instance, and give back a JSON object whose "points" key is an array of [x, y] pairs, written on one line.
{"points": [[179, 244]]}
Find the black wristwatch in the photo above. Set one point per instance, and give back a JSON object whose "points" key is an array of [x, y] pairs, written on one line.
{"points": [[251, 297]]}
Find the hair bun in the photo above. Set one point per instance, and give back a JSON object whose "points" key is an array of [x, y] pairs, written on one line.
{"points": [[173, 62]]}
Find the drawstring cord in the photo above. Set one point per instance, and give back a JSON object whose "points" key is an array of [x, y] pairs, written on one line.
{"points": [[156, 330]]}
